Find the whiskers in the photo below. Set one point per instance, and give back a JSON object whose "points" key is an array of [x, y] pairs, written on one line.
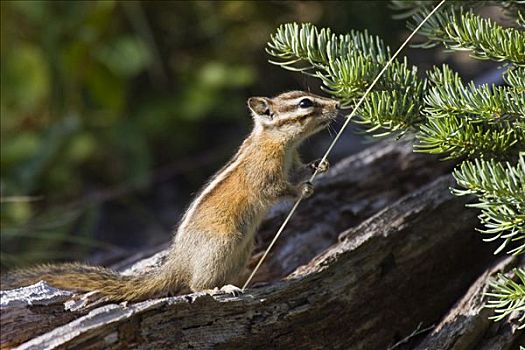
{"points": [[331, 126], [331, 130]]}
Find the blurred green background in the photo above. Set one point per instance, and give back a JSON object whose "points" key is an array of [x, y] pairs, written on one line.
{"points": [[114, 113]]}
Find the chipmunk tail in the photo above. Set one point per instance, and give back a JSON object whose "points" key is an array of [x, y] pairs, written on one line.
{"points": [[83, 278]]}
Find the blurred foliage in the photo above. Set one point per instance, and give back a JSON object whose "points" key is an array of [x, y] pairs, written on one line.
{"points": [[97, 95]]}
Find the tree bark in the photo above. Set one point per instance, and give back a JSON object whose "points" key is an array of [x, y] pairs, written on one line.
{"points": [[381, 248], [467, 324]]}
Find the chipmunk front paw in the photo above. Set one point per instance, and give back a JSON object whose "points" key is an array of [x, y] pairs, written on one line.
{"points": [[320, 166]]}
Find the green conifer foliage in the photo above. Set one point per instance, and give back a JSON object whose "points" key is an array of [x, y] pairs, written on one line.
{"points": [[500, 189], [508, 296], [482, 125]]}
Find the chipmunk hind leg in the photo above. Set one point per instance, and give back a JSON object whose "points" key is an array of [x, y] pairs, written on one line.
{"points": [[220, 265]]}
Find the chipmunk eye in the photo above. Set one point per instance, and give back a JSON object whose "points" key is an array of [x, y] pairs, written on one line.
{"points": [[305, 103]]}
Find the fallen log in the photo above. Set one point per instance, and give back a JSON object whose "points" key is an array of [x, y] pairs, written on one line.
{"points": [[467, 324], [376, 284], [32, 310], [366, 288]]}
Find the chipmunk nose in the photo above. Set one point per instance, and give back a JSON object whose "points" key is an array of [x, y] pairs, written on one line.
{"points": [[338, 105]]}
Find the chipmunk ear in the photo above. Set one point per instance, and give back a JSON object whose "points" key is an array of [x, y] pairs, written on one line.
{"points": [[260, 106]]}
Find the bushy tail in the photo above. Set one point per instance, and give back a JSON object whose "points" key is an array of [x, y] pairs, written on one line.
{"points": [[83, 278]]}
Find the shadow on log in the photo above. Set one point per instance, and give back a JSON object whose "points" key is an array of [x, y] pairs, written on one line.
{"points": [[409, 255], [467, 325]]}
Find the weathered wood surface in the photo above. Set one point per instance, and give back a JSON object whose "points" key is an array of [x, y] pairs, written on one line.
{"points": [[467, 324], [366, 288], [37, 307]]}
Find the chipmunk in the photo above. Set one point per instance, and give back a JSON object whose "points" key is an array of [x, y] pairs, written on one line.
{"points": [[215, 238]]}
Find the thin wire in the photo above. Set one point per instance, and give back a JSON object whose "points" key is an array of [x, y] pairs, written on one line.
{"points": [[325, 156]]}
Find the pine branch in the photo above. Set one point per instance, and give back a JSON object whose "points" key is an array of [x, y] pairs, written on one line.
{"points": [[500, 189], [508, 296], [465, 120], [347, 64], [455, 138], [386, 112], [465, 31], [293, 43], [483, 103], [406, 9], [515, 77]]}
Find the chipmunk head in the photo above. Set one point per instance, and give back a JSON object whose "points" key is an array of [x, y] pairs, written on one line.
{"points": [[294, 115]]}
